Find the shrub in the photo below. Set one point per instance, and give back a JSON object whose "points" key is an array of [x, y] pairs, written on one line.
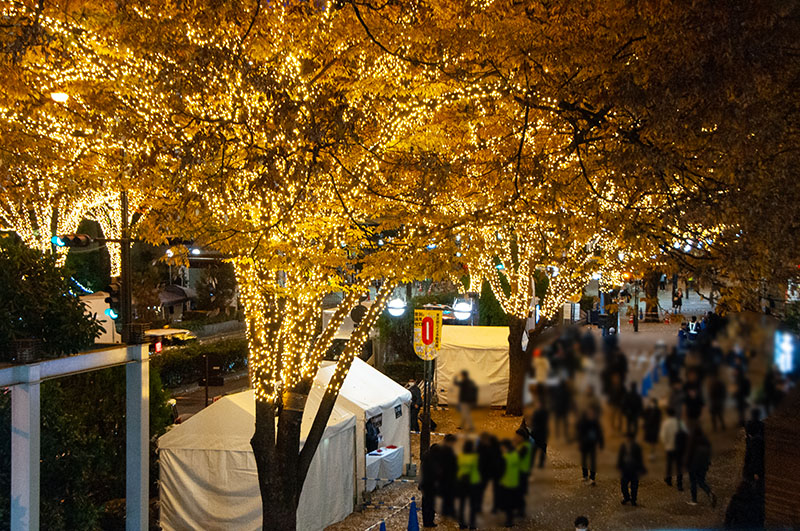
{"points": [[183, 365], [36, 302]]}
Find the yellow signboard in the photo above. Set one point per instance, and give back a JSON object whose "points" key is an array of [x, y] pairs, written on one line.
{"points": [[427, 333]]}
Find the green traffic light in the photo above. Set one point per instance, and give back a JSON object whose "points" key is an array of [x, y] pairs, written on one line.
{"points": [[58, 241]]}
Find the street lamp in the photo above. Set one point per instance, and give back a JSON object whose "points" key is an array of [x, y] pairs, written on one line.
{"points": [[462, 310], [396, 307]]}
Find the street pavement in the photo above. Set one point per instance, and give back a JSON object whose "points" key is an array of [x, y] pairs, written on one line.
{"points": [[558, 494]]}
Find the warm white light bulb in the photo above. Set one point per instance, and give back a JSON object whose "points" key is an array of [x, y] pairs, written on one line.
{"points": [[59, 97]]}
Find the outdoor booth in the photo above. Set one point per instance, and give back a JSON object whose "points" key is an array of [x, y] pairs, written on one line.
{"points": [[208, 477], [480, 350], [371, 395]]}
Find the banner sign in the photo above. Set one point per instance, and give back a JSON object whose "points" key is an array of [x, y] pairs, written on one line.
{"points": [[427, 333]]}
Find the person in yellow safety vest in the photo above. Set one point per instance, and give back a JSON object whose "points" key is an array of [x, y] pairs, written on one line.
{"points": [[468, 484], [509, 481], [525, 451]]}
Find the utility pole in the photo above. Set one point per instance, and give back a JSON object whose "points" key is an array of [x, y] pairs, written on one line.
{"points": [[126, 296]]}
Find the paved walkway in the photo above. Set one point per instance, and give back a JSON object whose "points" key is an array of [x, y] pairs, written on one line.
{"points": [[557, 493]]}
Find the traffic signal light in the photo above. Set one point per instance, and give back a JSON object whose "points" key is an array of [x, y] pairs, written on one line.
{"points": [[113, 298], [72, 240]]}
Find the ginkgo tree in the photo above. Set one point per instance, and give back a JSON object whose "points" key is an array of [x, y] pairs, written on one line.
{"points": [[332, 146], [289, 147]]}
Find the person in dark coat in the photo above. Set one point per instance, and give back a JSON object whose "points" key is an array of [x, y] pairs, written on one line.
{"points": [[746, 508], [588, 345], [620, 365], [490, 465], [590, 438], [673, 364], [698, 459], [467, 398], [693, 404], [652, 425], [754, 447], [717, 394], [416, 404], [610, 345], [430, 472], [616, 396], [742, 393], [631, 467], [562, 401], [540, 431], [632, 409], [770, 389], [372, 436], [448, 465]]}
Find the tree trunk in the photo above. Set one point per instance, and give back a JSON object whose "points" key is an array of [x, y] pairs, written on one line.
{"points": [[518, 365], [277, 460], [651, 281], [274, 506]]}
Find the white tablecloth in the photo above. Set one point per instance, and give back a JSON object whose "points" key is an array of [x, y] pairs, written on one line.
{"points": [[384, 465]]}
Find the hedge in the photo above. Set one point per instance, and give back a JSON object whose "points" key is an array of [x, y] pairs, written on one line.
{"points": [[184, 365]]}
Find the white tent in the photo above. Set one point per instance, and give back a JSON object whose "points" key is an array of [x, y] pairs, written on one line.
{"points": [[480, 350], [208, 473], [366, 392]]}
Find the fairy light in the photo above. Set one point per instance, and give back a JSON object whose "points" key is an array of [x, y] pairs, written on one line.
{"points": [[243, 139]]}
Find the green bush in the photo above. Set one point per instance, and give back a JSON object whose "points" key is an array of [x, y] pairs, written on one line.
{"points": [[402, 371], [183, 365], [490, 313], [195, 320]]}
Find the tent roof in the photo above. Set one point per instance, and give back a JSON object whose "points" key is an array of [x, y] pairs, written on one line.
{"points": [[229, 423], [365, 389], [475, 337]]}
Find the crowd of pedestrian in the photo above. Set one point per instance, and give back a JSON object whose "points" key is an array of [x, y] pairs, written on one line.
{"points": [[457, 476], [700, 376]]}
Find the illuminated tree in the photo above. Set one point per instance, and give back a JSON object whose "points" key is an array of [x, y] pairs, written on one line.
{"points": [[328, 147]]}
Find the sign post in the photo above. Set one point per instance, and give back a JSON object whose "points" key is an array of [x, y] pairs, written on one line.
{"points": [[427, 341]]}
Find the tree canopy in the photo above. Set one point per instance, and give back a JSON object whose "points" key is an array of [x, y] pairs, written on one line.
{"points": [[343, 146]]}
